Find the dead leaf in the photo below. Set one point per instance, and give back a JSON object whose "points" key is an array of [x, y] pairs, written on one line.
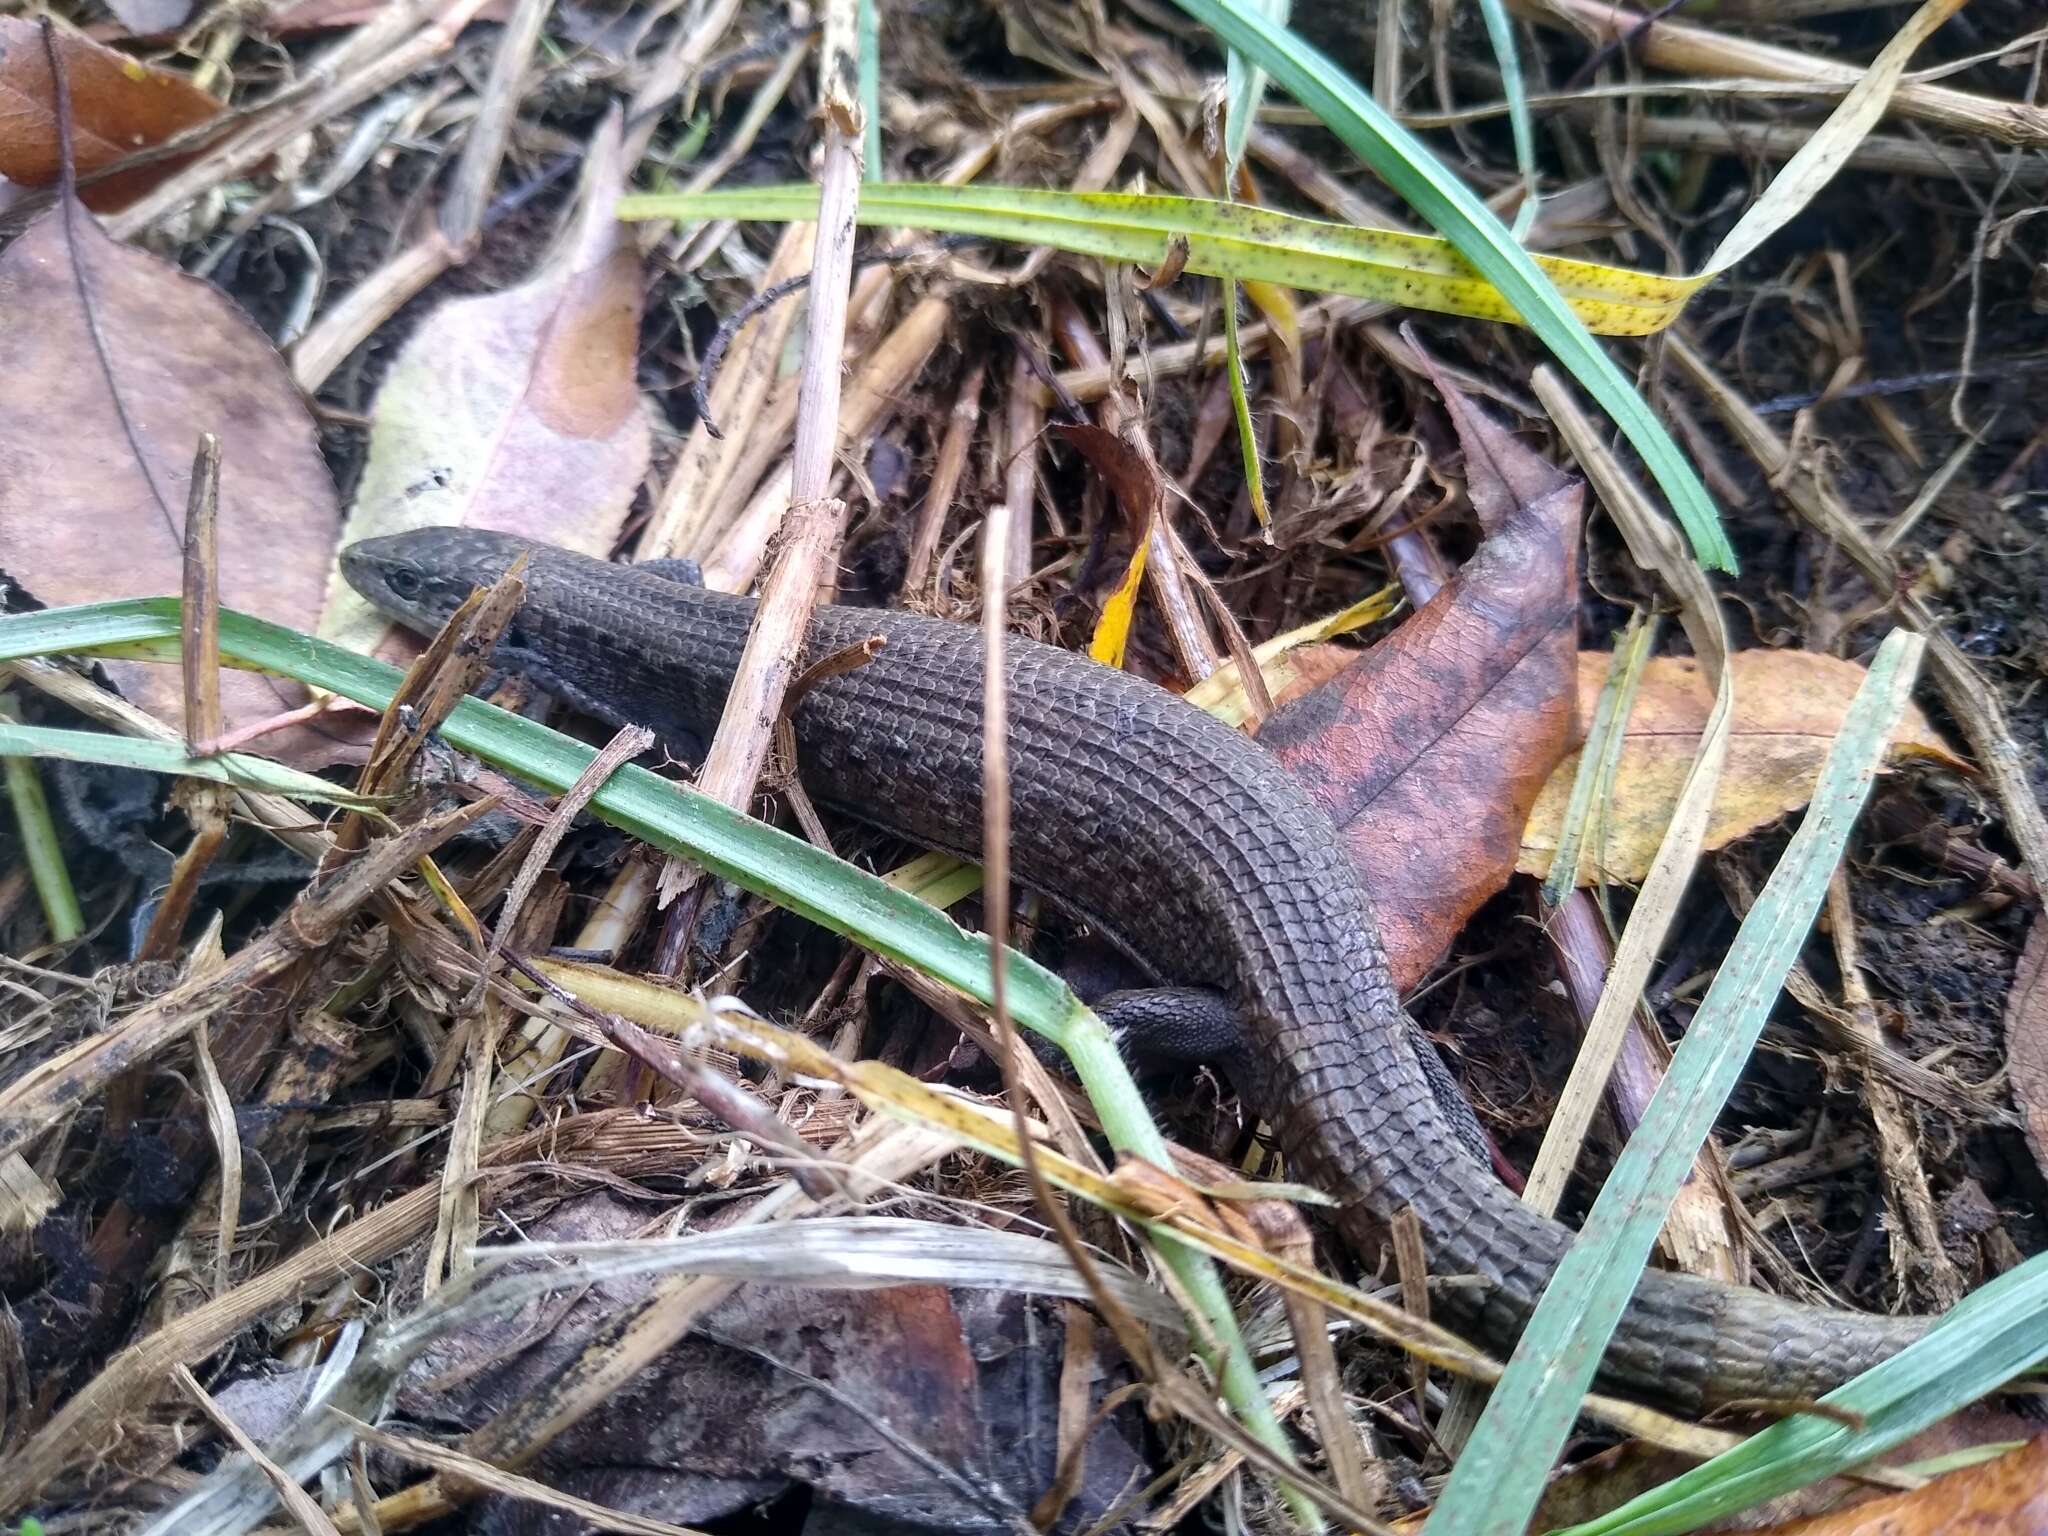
{"points": [[2026, 1041], [1428, 751], [516, 411], [112, 362], [1789, 705], [924, 1408], [118, 106], [2008, 1496], [1126, 463]]}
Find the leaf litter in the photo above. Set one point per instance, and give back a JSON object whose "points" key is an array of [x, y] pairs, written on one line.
{"points": [[112, 363], [119, 106], [382, 1099]]}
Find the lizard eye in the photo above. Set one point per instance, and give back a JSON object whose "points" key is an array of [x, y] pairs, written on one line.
{"points": [[403, 582]]}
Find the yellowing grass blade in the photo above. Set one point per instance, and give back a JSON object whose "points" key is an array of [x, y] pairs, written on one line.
{"points": [[1227, 240], [1833, 142]]}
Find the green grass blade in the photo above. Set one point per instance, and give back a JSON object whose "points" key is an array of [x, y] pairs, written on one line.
{"points": [[237, 770], [38, 835], [1405, 163], [869, 31], [1243, 84], [1496, 1482], [1500, 31], [1989, 1337], [1241, 408]]}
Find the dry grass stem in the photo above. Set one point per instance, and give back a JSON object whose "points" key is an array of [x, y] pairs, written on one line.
{"points": [[1692, 50]]}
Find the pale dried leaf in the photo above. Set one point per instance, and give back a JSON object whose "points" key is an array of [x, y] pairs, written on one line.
{"points": [[516, 411], [1833, 142]]}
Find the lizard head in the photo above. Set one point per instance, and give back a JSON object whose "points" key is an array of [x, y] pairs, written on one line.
{"points": [[420, 578]]}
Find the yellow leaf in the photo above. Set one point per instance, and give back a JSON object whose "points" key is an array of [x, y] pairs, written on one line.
{"points": [[1113, 630], [1789, 704]]}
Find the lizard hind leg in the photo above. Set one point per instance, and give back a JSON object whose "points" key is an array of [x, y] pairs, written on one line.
{"points": [[1183, 1025]]}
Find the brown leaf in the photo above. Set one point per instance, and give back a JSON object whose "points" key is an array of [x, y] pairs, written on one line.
{"points": [[1127, 465], [2026, 1041], [516, 411], [1788, 707], [2008, 1496], [1428, 752], [112, 362], [117, 107], [858, 1394]]}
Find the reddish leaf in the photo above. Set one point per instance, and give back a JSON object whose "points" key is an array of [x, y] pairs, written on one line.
{"points": [[112, 362], [117, 107], [1429, 752]]}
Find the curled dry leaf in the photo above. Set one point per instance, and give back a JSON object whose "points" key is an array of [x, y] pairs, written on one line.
{"points": [[516, 411], [1789, 705], [112, 362], [1429, 751], [118, 106]]}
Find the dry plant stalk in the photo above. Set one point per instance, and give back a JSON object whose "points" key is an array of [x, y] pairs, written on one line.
{"points": [[1690, 50], [813, 526], [35, 1101]]}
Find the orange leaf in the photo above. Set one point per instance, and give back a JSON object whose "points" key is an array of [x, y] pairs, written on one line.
{"points": [[118, 106], [2008, 1496], [1788, 707]]}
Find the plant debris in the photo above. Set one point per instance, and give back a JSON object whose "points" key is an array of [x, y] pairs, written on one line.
{"points": [[285, 1067]]}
